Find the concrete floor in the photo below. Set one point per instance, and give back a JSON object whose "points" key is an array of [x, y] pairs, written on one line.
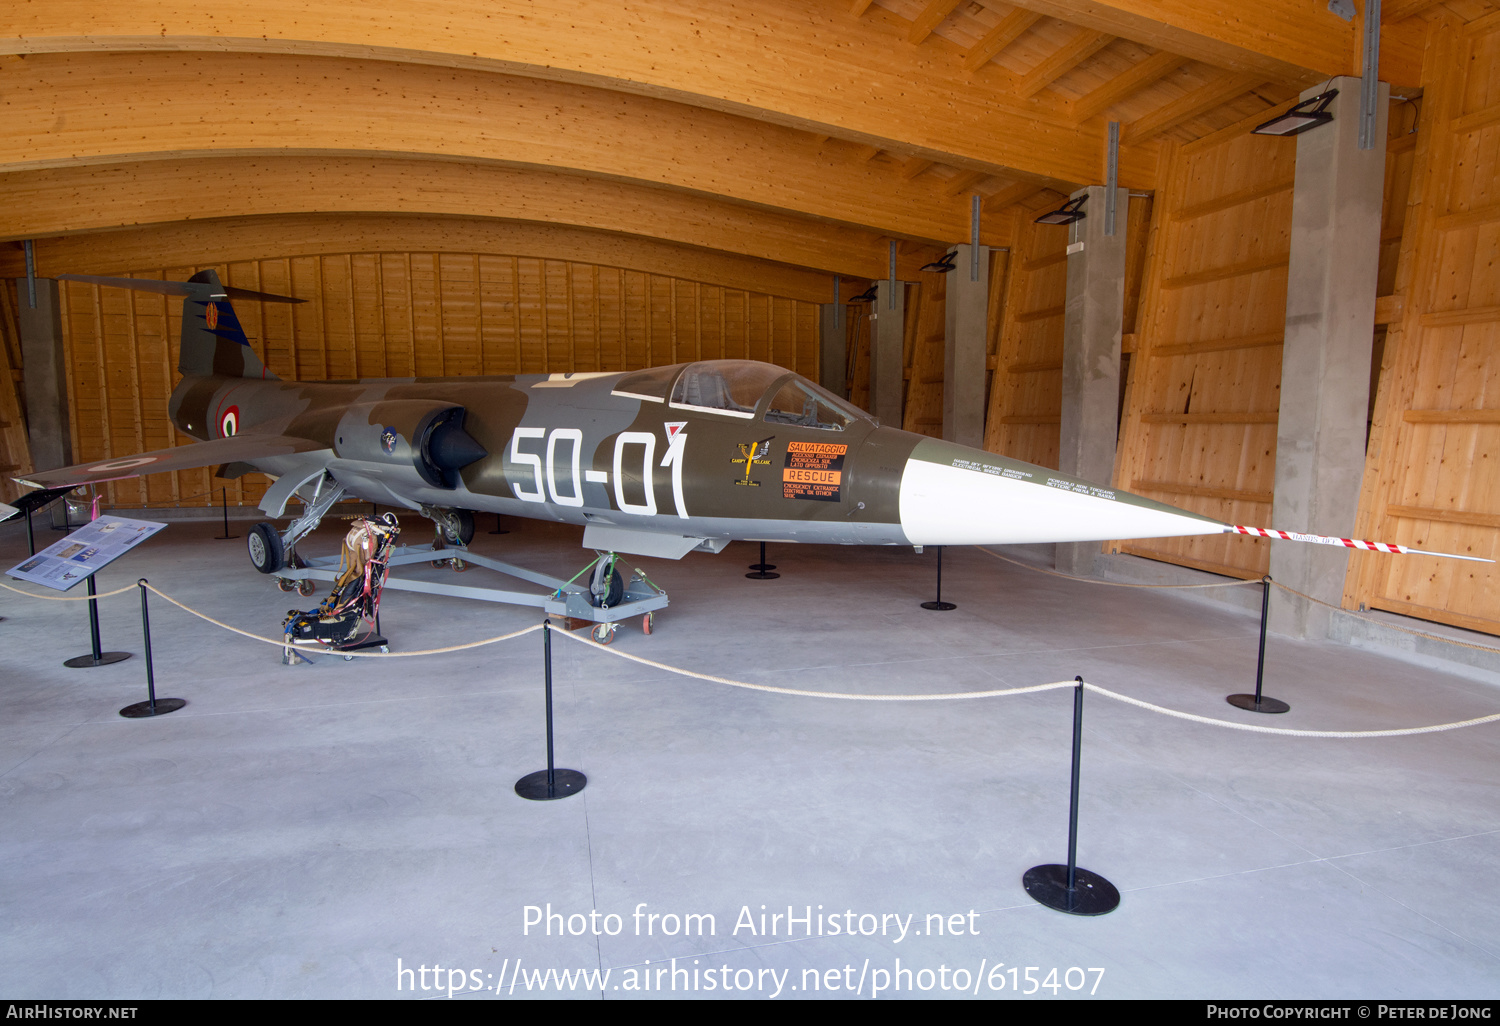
{"points": [[295, 831]]}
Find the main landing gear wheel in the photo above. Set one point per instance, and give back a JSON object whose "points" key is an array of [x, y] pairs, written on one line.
{"points": [[264, 545], [465, 526], [648, 622], [604, 633]]}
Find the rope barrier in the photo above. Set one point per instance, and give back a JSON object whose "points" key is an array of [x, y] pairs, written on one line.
{"points": [[1031, 690], [804, 693], [846, 696], [281, 642], [1380, 623], [1232, 584], [69, 598], [1111, 584], [1283, 730]]}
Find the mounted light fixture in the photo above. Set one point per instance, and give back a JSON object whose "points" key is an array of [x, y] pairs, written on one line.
{"points": [[944, 265], [1067, 213], [867, 296], [1310, 113]]}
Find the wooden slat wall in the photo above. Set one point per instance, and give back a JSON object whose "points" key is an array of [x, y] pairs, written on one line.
{"points": [[400, 315], [1025, 407], [1205, 378], [1431, 479], [926, 318], [15, 452]]}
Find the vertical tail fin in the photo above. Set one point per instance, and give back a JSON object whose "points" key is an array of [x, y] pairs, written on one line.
{"points": [[212, 340]]}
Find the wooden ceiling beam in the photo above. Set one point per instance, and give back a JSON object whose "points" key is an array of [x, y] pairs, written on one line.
{"points": [[162, 105], [914, 167], [1289, 41], [812, 67], [1399, 10], [222, 240], [931, 17], [964, 182], [1007, 31], [1081, 47], [1010, 195], [1148, 72], [859, 7], [1199, 101], [60, 201]]}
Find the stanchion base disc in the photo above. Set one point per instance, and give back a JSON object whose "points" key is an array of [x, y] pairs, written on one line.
{"points": [[79, 662], [1265, 705], [938, 605], [1093, 895], [761, 575], [762, 567], [225, 537], [143, 709], [533, 786]]}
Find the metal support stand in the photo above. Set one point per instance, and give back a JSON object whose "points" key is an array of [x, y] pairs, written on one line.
{"points": [[95, 656], [224, 508], [1069, 888], [549, 784], [1255, 703], [762, 569], [498, 529], [152, 706], [939, 603], [30, 539]]}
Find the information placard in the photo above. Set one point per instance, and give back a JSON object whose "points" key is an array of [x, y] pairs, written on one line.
{"points": [[84, 552]]}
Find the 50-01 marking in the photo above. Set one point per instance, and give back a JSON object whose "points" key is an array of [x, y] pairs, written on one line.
{"points": [[545, 480]]}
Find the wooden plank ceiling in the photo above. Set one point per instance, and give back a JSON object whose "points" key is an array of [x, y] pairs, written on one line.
{"points": [[801, 133]]}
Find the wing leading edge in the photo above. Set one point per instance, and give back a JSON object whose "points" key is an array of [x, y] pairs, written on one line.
{"points": [[237, 448]]}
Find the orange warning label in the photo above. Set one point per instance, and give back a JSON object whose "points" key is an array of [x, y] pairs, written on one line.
{"points": [[813, 470]]}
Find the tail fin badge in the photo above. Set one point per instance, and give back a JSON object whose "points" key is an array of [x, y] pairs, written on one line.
{"points": [[211, 316]]}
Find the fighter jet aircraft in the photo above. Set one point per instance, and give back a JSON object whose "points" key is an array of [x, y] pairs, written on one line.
{"points": [[656, 462]]}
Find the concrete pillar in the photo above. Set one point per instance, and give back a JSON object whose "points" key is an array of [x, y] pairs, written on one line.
{"points": [[833, 372], [968, 300], [45, 375], [887, 326], [1325, 356], [1092, 325]]}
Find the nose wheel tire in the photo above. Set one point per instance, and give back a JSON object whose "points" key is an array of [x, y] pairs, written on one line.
{"points": [[264, 546]]}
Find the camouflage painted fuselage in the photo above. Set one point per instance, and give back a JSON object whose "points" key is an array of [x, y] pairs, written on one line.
{"points": [[582, 449]]}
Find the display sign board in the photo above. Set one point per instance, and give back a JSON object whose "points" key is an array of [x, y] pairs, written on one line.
{"points": [[84, 552]]}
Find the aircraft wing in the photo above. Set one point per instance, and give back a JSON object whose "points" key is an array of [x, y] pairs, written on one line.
{"points": [[212, 453]]}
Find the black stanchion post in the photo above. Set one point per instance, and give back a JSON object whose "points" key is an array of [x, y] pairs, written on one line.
{"points": [[1069, 888], [1255, 703], [30, 538], [95, 656], [498, 529], [224, 508], [550, 783], [152, 706], [762, 570], [939, 604]]}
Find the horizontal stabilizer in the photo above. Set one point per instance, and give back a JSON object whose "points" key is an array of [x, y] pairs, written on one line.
{"points": [[1348, 543], [181, 457], [177, 288]]}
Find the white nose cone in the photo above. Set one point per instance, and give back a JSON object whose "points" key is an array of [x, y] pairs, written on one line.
{"points": [[953, 495]]}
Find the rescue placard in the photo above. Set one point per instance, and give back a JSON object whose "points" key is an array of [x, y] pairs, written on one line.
{"points": [[813, 470]]}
